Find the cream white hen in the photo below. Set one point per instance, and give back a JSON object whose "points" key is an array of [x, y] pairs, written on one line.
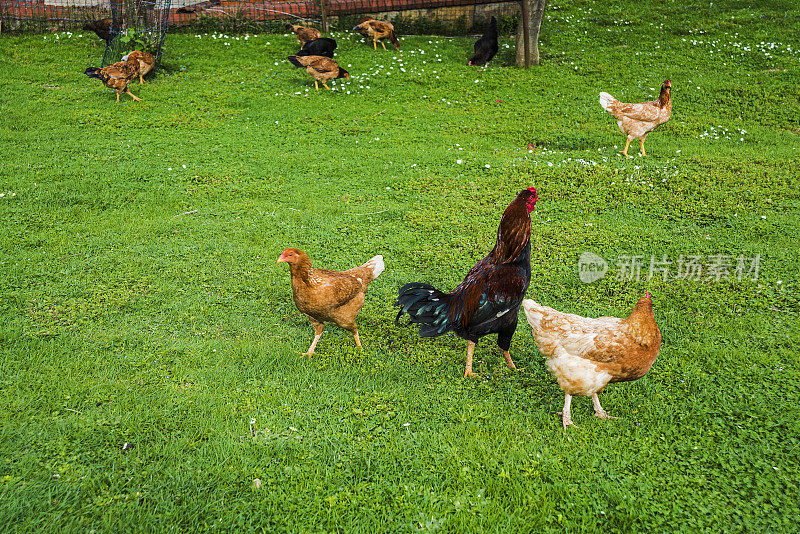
{"points": [[586, 354]]}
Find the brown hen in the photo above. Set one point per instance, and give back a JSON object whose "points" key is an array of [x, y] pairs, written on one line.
{"points": [[329, 296], [145, 60], [378, 30], [638, 120], [117, 76], [320, 68], [304, 33]]}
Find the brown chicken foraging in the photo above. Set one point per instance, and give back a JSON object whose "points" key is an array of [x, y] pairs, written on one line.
{"points": [[362, 29], [117, 76], [586, 354], [378, 30], [145, 60], [320, 68], [638, 120], [329, 296], [304, 33]]}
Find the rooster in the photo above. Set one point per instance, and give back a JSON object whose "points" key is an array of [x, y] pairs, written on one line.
{"points": [[488, 300], [486, 47], [117, 76], [638, 120], [329, 296], [586, 354], [378, 30]]}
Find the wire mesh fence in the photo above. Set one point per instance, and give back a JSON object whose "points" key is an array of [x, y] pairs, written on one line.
{"points": [[409, 16]]}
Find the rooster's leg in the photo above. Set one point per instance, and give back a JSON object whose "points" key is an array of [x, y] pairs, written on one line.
{"points": [[133, 97], [507, 356], [470, 350], [566, 415], [627, 144], [641, 142], [598, 410], [318, 328]]}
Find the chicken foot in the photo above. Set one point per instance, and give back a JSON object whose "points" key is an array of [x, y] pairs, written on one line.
{"points": [[318, 328], [625, 152], [598, 410], [566, 413], [132, 95], [471, 350], [641, 142]]}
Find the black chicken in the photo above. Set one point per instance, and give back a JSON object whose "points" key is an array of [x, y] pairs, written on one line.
{"points": [[101, 27], [486, 47], [323, 46], [488, 300]]}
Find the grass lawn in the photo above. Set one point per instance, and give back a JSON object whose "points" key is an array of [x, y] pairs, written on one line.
{"points": [[149, 345]]}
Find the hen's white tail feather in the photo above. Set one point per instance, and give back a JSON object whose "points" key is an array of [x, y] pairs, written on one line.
{"points": [[377, 265], [606, 100]]}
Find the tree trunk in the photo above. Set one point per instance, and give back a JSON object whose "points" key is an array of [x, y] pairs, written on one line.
{"points": [[536, 9]]}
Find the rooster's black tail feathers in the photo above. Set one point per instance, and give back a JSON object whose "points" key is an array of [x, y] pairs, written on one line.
{"points": [[426, 305]]}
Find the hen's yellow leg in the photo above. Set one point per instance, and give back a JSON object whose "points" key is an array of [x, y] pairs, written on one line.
{"points": [[383, 45], [358, 341], [318, 328], [326, 85], [132, 95], [470, 350], [507, 356], [627, 144], [316, 85], [118, 92], [141, 80], [375, 44], [641, 142]]}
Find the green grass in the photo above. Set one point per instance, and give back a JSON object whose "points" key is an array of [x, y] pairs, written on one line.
{"points": [[140, 301]]}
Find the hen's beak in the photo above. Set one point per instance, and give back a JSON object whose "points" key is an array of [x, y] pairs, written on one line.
{"points": [[281, 258]]}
